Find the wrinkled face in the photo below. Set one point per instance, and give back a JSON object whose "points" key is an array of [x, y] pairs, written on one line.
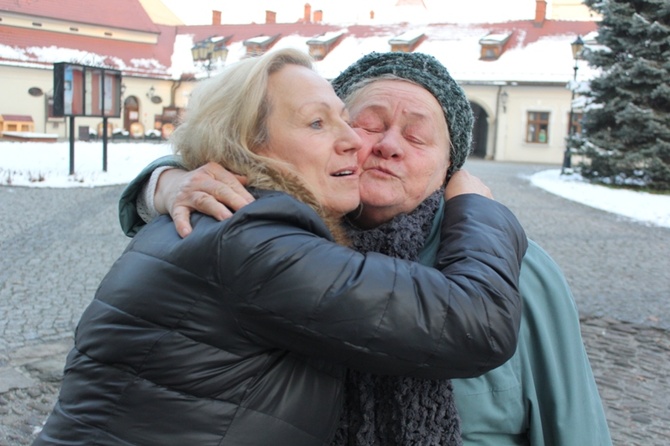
{"points": [[308, 127], [405, 152]]}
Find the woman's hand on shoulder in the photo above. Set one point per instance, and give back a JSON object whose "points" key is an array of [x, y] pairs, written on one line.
{"points": [[463, 182], [209, 189]]}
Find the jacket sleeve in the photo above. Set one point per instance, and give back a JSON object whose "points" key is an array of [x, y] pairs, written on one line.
{"points": [[295, 290], [130, 221]]}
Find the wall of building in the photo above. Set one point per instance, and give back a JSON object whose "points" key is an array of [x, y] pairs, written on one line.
{"points": [[15, 98], [507, 121], [505, 140], [486, 97], [140, 88], [512, 144], [17, 101], [570, 10]]}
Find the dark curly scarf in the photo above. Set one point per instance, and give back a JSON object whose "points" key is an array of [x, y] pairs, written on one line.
{"points": [[391, 410]]}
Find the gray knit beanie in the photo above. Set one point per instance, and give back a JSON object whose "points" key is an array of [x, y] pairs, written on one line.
{"points": [[428, 72]]}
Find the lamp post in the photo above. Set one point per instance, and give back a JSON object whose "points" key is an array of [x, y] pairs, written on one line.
{"points": [[577, 47], [208, 50]]}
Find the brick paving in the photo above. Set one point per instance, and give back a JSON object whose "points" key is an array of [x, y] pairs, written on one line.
{"points": [[56, 245], [630, 363]]}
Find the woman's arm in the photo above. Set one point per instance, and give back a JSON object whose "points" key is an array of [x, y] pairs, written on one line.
{"points": [[210, 189], [214, 191], [295, 290], [130, 220]]}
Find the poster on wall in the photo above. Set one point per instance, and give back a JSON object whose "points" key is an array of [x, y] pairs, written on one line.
{"points": [[112, 89], [81, 90], [73, 88]]}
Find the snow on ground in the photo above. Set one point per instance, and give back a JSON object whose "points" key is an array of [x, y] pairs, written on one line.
{"points": [[35, 164], [641, 206]]}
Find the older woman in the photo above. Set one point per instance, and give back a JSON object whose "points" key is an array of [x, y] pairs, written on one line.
{"points": [[403, 104], [241, 333]]}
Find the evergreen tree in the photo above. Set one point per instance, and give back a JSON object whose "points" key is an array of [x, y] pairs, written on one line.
{"points": [[626, 127]]}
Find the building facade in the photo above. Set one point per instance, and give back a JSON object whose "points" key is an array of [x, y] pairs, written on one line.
{"points": [[516, 73]]}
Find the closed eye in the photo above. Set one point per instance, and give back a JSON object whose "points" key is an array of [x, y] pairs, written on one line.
{"points": [[369, 130], [368, 127]]}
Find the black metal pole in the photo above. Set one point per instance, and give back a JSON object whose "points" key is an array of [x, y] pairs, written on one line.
{"points": [[104, 126], [567, 155], [104, 144], [71, 145]]}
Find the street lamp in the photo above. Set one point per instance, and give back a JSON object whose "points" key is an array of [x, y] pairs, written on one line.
{"points": [[210, 49], [577, 47]]}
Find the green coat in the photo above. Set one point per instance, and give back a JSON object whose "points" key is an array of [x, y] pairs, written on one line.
{"points": [[130, 220], [545, 395]]}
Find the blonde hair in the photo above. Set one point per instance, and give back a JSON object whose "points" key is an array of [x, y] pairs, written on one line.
{"points": [[226, 122]]}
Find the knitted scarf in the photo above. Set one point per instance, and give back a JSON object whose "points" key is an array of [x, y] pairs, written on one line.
{"points": [[392, 410]]}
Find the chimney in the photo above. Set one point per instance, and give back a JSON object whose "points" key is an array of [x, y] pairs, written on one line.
{"points": [[270, 17], [540, 13], [216, 17], [308, 13], [318, 16], [372, 15]]}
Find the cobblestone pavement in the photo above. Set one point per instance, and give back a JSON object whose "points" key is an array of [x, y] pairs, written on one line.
{"points": [[56, 245]]}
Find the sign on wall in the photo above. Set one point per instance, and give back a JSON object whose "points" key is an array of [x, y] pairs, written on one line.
{"points": [[81, 90]]}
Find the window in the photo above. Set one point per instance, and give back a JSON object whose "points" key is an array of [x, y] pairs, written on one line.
{"points": [[538, 127], [489, 53], [50, 108], [576, 126]]}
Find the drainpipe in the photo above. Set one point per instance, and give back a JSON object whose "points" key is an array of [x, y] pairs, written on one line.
{"points": [[495, 128], [173, 91]]}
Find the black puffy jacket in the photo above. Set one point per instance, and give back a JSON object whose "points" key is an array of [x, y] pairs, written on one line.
{"points": [[240, 333]]}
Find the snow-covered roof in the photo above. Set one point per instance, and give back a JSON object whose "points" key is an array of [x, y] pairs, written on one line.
{"points": [[495, 38], [533, 53], [326, 37], [348, 12], [408, 36]]}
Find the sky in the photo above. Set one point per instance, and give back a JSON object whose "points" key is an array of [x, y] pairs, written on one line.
{"points": [[28, 164]]}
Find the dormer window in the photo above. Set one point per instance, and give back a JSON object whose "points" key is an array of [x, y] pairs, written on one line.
{"points": [[257, 46], [407, 42], [320, 46], [493, 45]]}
